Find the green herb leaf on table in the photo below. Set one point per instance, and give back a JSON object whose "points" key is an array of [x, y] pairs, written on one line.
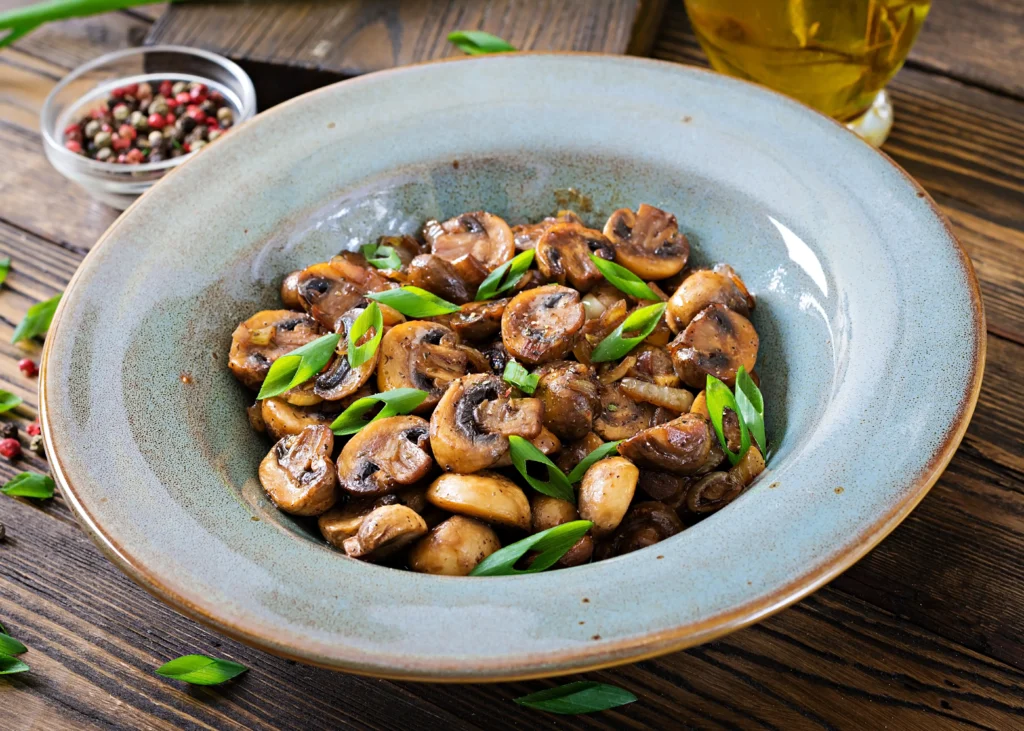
{"points": [[29, 484], [371, 318], [478, 42], [413, 301], [515, 268], [382, 257], [583, 696], [557, 485], [551, 545], [37, 320], [8, 401], [751, 406], [201, 670], [598, 454], [298, 366], [22, 21], [624, 280], [519, 376], [616, 345], [10, 646], [11, 665], [718, 398], [5, 267], [396, 401]]}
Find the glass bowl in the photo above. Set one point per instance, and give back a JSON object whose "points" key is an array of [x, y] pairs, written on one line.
{"points": [[82, 90]]}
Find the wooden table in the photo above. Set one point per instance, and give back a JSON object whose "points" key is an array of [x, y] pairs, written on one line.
{"points": [[925, 632]]}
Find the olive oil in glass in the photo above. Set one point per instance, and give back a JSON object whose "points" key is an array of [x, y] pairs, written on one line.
{"points": [[834, 55]]}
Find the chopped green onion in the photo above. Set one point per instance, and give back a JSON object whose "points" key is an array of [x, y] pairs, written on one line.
{"points": [[516, 268], [751, 406], [718, 398], [29, 484], [382, 257], [478, 42], [615, 346], [201, 670], [298, 366], [557, 485], [370, 318], [11, 665], [624, 280], [37, 320], [583, 696], [8, 401], [519, 376], [598, 454], [5, 267], [22, 21], [10, 646], [413, 301], [551, 544], [396, 401]]}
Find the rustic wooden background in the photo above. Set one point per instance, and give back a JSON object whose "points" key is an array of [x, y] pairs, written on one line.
{"points": [[925, 632]]}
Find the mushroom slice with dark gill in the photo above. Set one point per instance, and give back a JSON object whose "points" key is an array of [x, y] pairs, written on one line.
{"points": [[470, 427], [680, 446], [385, 531], [330, 289], [265, 337], [439, 276], [717, 342], [644, 525], [282, 419], [569, 393], [476, 321], [298, 474], [563, 255], [540, 325], [647, 242], [481, 235], [423, 355], [527, 235], [454, 547], [702, 289], [620, 416], [340, 379], [385, 455]]}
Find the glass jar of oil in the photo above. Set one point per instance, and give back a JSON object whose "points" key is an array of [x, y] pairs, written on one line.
{"points": [[834, 56]]}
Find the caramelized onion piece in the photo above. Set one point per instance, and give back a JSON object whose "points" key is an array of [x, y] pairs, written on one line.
{"points": [[653, 365], [298, 474], [647, 242], [481, 235], [563, 255], [385, 455], [540, 325], [680, 446], [673, 399], [717, 342], [265, 337], [749, 467], [702, 289]]}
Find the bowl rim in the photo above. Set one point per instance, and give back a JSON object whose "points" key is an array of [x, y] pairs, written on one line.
{"points": [[626, 651]]}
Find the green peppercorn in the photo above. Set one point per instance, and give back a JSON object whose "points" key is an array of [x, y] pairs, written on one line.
{"points": [[121, 112], [156, 138], [225, 116], [102, 139], [104, 154], [157, 107], [138, 121], [213, 134], [92, 128], [179, 87], [145, 91], [198, 145]]}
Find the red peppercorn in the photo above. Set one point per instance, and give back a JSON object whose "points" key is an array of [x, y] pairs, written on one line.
{"points": [[183, 98], [120, 143], [10, 448], [71, 129], [166, 89], [106, 127], [216, 96], [169, 119], [155, 121], [131, 89], [33, 429], [75, 147], [73, 134], [122, 158], [212, 123], [134, 156], [98, 113], [197, 96], [127, 131], [197, 114], [118, 92], [28, 367], [187, 147]]}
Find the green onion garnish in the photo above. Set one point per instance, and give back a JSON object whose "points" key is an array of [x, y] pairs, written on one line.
{"points": [[29, 484], [8, 401], [624, 280], [615, 346], [751, 405], [298, 366], [552, 544], [11, 665], [718, 398], [37, 320], [515, 267], [5, 267], [413, 301], [557, 484], [201, 670], [370, 318], [519, 376], [583, 696], [478, 42], [396, 401], [10, 646], [382, 257], [598, 454]]}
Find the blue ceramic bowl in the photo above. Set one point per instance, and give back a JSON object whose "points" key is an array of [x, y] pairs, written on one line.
{"points": [[868, 310]]}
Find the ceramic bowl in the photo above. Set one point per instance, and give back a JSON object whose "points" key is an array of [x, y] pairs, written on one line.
{"points": [[868, 311]]}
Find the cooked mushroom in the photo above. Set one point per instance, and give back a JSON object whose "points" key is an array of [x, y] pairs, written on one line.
{"points": [[680, 446], [548, 512], [647, 242], [749, 467], [527, 235], [343, 522], [702, 289], [470, 427], [340, 379], [407, 247], [563, 255], [283, 419], [485, 495], [438, 275], [477, 321], [740, 284], [302, 395], [330, 289], [546, 442], [621, 417], [484, 236], [454, 547], [644, 525], [576, 452], [665, 487], [569, 393], [385, 531], [606, 492], [713, 492], [653, 365], [423, 355], [384, 455], [290, 291], [298, 474], [717, 342], [265, 337], [540, 324]]}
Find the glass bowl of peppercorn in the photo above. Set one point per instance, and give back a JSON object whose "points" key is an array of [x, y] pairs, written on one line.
{"points": [[117, 124]]}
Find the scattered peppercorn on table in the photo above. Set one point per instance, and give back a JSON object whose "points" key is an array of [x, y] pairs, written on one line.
{"points": [[926, 631]]}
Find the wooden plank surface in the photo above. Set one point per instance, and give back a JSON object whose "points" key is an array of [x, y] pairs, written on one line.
{"points": [[925, 632]]}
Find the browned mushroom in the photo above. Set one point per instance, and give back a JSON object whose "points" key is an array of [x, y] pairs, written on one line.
{"points": [[680, 446], [423, 355], [749, 467], [330, 289], [406, 247], [454, 547], [265, 337], [653, 365], [546, 442], [540, 325], [527, 235], [340, 379], [569, 393], [485, 495], [384, 455], [476, 321], [470, 427], [620, 417], [606, 492], [290, 291], [437, 275], [343, 522], [563, 255], [644, 525], [572, 454], [713, 492], [665, 487], [283, 419], [702, 289], [298, 474], [548, 512], [481, 235], [385, 531], [647, 242], [717, 342]]}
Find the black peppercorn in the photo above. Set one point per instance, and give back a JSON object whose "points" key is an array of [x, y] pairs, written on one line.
{"points": [[186, 124], [8, 430]]}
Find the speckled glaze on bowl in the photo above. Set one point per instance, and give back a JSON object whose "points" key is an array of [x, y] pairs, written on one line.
{"points": [[868, 311]]}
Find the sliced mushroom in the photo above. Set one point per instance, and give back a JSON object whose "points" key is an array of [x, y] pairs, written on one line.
{"points": [[749, 467], [665, 487], [265, 337], [283, 419], [712, 492], [606, 492], [340, 379], [485, 495], [476, 321], [527, 235], [302, 395], [563, 255], [548, 512], [341, 523], [484, 236], [384, 455], [454, 547], [621, 417], [576, 452], [407, 247], [644, 525], [717, 342], [290, 291], [496, 356], [385, 531], [540, 325], [470, 427], [653, 365], [423, 355], [647, 242], [437, 275], [546, 442], [330, 289], [298, 474], [680, 446], [740, 284], [702, 289], [569, 393]]}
